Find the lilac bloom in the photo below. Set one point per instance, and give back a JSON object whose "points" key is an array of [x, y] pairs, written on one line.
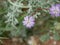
{"points": [[29, 21], [55, 10]]}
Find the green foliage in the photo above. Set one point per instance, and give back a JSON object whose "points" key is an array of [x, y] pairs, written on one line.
{"points": [[12, 14], [56, 36], [45, 37]]}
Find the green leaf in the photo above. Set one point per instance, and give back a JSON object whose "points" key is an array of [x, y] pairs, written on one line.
{"points": [[44, 37], [56, 36]]}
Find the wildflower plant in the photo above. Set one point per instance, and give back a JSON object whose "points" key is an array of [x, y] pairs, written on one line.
{"points": [[55, 10], [22, 16], [29, 21]]}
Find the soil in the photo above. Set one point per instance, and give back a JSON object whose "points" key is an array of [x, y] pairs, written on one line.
{"points": [[49, 42]]}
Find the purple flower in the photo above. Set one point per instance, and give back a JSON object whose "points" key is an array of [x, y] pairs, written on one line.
{"points": [[29, 21], [55, 10]]}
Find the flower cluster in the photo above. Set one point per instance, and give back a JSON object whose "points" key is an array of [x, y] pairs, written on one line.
{"points": [[29, 21], [55, 10]]}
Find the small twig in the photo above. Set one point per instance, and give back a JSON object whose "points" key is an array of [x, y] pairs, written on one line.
{"points": [[4, 38]]}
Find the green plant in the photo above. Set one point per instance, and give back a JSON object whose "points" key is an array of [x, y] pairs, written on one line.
{"points": [[13, 12]]}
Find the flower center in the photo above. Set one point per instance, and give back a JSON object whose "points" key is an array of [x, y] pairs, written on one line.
{"points": [[56, 11], [28, 22]]}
